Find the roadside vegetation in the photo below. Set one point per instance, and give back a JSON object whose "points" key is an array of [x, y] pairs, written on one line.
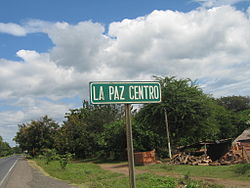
{"points": [[98, 131], [94, 131], [6, 150], [237, 172], [90, 175]]}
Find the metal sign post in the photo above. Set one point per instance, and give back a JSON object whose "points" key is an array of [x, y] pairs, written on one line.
{"points": [[167, 129], [130, 148]]}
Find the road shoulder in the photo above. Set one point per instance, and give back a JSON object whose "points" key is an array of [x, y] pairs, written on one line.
{"points": [[26, 175]]}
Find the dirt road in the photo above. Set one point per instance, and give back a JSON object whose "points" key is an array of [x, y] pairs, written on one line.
{"points": [[24, 176], [226, 182]]}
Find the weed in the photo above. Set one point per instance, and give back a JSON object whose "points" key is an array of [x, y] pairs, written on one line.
{"points": [[187, 176], [193, 184], [242, 169]]}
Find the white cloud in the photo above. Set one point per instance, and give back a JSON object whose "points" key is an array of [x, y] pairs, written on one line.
{"points": [[81, 44], [183, 44], [37, 76], [204, 44], [30, 109], [216, 3], [248, 12], [13, 29], [30, 26]]}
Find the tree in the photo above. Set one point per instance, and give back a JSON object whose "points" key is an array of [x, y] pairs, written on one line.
{"points": [[112, 140], [235, 103], [80, 133], [37, 135], [5, 148], [193, 116]]}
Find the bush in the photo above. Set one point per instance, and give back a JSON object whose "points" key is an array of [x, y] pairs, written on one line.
{"points": [[64, 160], [49, 155], [28, 156]]}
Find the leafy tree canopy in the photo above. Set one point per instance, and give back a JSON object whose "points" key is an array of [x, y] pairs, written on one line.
{"points": [[235, 103], [37, 135], [192, 115], [5, 148], [81, 133]]}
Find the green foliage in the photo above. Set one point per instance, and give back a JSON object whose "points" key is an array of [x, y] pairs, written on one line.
{"points": [[193, 116], [189, 111], [17, 150], [155, 181], [244, 117], [235, 103], [64, 160], [99, 131], [200, 184], [224, 172], [37, 135], [87, 130], [90, 175], [28, 156], [112, 140], [5, 149], [49, 155], [193, 185], [242, 169], [82, 173]]}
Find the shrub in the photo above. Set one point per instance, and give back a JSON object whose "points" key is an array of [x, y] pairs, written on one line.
{"points": [[49, 155], [64, 160]]}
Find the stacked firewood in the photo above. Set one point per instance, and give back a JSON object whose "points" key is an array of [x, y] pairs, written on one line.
{"points": [[231, 157], [183, 158]]}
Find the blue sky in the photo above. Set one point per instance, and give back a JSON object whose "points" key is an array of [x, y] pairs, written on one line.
{"points": [[73, 12], [50, 50]]}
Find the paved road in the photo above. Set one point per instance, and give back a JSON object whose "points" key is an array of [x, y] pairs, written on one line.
{"points": [[22, 175], [6, 166]]}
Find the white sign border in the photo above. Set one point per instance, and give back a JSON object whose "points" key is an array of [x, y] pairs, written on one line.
{"points": [[123, 82]]}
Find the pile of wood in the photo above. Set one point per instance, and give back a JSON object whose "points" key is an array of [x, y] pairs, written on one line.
{"points": [[183, 158], [231, 157], [234, 156]]}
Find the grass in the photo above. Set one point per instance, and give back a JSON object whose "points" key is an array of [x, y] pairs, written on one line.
{"points": [[225, 172], [1, 157], [77, 172], [243, 169], [90, 175]]}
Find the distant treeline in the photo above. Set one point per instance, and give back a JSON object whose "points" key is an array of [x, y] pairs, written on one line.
{"points": [[99, 130], [6, 150]]}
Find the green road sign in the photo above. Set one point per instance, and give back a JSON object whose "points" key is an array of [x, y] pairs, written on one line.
{"points": [[125, 92]]}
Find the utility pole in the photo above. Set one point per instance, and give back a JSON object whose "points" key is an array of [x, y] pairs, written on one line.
{"points": [[169, 146]]}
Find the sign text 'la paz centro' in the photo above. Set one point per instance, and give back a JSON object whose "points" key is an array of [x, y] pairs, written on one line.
{"points": [[125, 92]]}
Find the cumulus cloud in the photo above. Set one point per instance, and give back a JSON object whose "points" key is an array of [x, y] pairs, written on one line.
{"points": [[29, 109], [13, 29], [30, 26], [204, 44], [216, 3], [82, 43], [197, 44], [248, 12], [37, 76]]}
